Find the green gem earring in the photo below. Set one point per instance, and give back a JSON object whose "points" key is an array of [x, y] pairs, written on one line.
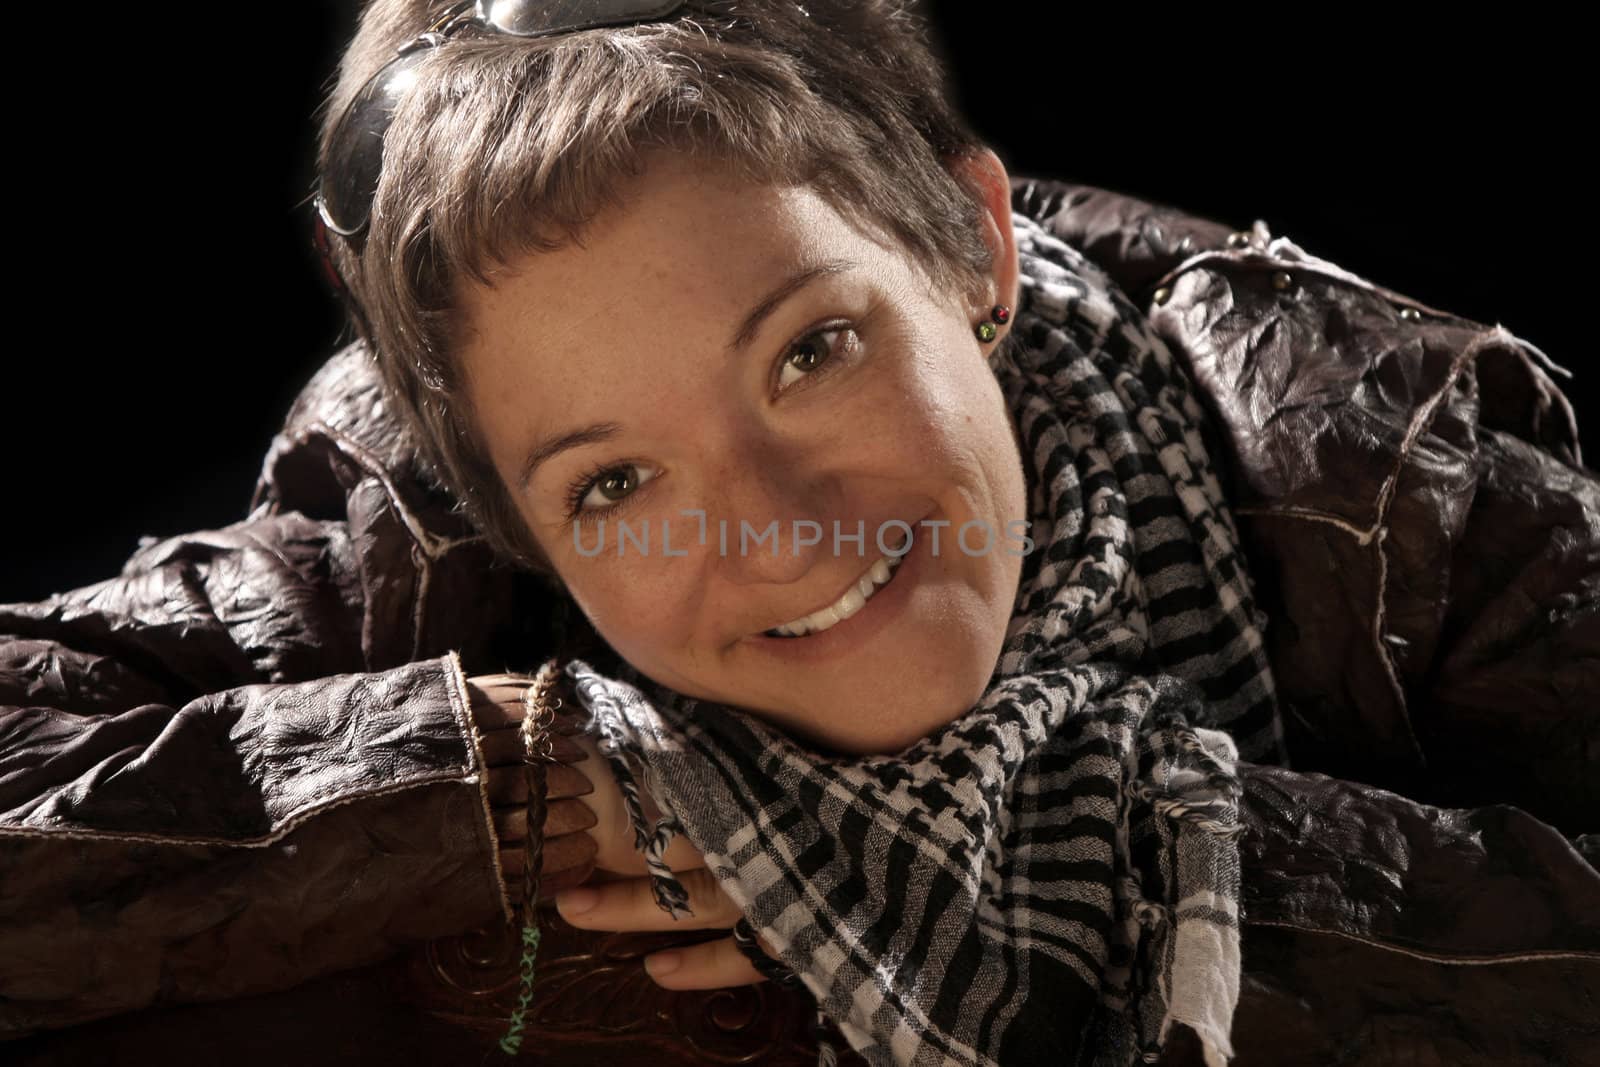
{"points": [[999, 315]]}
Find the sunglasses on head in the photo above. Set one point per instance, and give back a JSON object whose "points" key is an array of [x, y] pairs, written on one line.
{"points": [[355, 154]]}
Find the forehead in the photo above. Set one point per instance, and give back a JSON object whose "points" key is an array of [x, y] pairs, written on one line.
{"points": [[652, 286], [684, 233]]}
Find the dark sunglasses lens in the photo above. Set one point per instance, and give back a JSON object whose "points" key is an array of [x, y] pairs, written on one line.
{"points": [[530, 18], [355, 157]]}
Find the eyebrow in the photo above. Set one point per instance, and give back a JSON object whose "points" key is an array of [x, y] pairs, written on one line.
{"points": [[550, 446], [546, 448], [782, 291]]}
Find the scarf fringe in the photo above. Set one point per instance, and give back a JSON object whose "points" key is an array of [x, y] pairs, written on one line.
{"points": [[670, 896], [1202, 791]]}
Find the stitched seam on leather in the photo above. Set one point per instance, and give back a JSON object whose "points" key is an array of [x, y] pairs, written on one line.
{"points": [[1481, 959], [434, 546], [1282, 253], [1420, 421], [461, 702], [290, 824], [1380, 611], [1307, 263], [419, 598], [1379, 530], [1290, 511]]}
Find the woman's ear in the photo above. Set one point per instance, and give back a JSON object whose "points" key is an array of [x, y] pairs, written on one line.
{"points": [[984, 177]]}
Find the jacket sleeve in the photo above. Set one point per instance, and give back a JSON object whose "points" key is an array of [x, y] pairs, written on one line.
{"points": [[205, 793], [1377, 929]]}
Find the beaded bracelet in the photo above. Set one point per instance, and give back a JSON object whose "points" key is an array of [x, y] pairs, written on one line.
{"points": [[538, 720]]}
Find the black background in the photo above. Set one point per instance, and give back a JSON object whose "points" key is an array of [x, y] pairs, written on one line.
{"points": [[169, 307]]}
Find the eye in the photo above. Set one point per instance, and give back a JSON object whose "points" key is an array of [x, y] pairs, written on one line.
{"points": [[814, 354], [606, 488]]}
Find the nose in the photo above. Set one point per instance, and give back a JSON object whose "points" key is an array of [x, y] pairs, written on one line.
{"points": [[768, 513]]}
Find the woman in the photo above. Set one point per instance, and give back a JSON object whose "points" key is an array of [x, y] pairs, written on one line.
{"points": [[881, 385], [800, 204]]}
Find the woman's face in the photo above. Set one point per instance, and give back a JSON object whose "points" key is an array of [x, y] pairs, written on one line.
{"points": [[715, 358]]}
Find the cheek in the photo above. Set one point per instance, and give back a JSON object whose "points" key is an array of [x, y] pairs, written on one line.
{"points": [[636, 604], [952, 412]]}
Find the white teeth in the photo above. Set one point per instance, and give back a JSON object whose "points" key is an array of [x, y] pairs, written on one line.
{"points": [[854, 599]]}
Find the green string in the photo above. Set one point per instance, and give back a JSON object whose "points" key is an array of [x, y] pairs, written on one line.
{"points": [[512, 1041]]}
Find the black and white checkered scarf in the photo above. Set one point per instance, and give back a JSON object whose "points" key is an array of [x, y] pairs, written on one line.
{"points": [[1053, 877]]}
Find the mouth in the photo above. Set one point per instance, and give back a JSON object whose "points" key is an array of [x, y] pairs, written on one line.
{"points": [[874, 597], [847, 604]]}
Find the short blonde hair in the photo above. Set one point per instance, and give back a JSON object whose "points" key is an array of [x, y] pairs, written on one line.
{"points": [[507, 146]]}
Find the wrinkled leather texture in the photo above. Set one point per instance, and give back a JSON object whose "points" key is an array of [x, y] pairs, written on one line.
{"points": [[1423, 536], [1381, 930], [1410, 492]]}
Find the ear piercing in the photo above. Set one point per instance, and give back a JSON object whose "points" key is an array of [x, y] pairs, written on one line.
{"points": [[999, 315]]}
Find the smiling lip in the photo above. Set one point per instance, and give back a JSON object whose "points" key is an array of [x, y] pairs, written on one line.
{"points": [[892, 562], [883, 609]]}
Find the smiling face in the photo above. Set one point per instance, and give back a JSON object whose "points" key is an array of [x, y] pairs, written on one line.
{"points": [[744, 352]]}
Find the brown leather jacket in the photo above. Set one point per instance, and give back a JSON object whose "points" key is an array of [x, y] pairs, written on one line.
{"points": [[240, 792]]}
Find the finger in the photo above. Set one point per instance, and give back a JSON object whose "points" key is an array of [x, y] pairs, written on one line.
{"points": [[507, 785], [506, 693], [708, 965], [501, 678], [566, 817], [498, 698], [512, 860], [503, 747], [491, 714], [619, 851], [571, 720], [561, 817], [559, 881], [619, 854], [510, 824], [630, 905], [560, 781], [567, 862]]}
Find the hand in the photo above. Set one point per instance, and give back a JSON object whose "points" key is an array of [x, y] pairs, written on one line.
{"points": [[620, 897], [569, 852]]}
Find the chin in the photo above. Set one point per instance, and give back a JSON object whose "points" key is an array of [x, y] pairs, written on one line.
{"points": [[894, 722]]}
